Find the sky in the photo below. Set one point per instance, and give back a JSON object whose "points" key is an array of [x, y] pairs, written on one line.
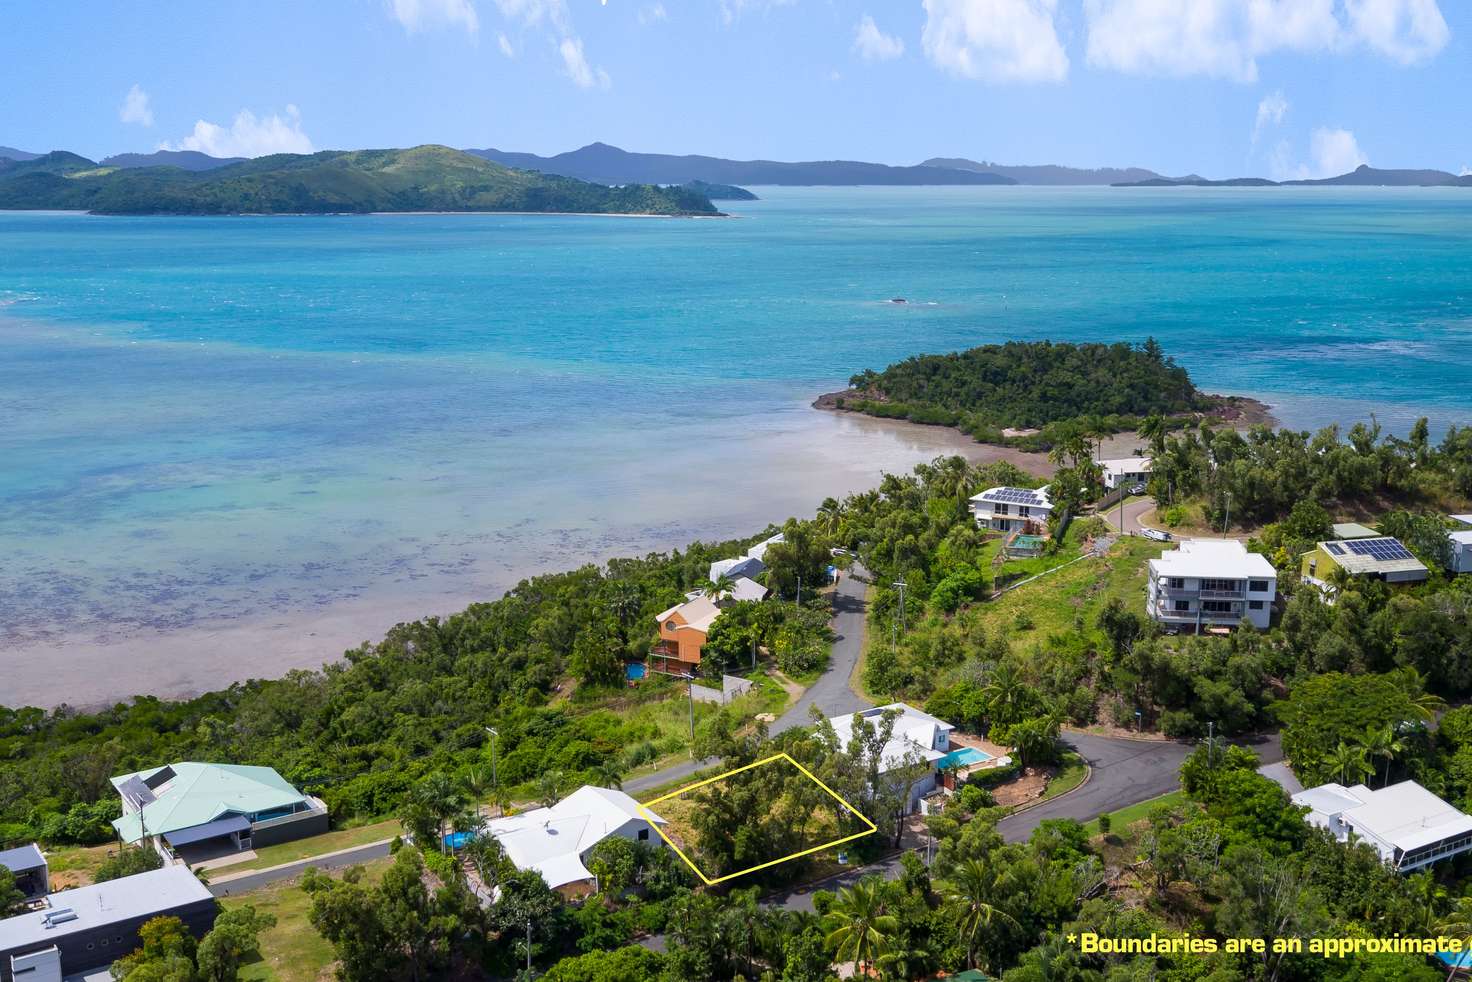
{"points": [[1277, 88]]}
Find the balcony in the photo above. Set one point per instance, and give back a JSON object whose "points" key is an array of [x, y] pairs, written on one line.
{"points": [[1222, 594]]}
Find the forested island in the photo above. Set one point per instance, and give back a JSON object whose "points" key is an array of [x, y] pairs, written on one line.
{"points": [[425, 178], [1025, 393]]}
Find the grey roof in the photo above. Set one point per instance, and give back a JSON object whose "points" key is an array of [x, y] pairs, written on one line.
{"points": [[22, 858], [1353, 530], [1382, 554], [209, 830], [102, 904]]}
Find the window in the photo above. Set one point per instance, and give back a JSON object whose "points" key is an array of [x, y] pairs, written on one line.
{"points": [[1177, 583], [1218, 606], [1229, 585], [1258, 586], [670, 625], [643, 835], [1183, 605], [1024, 511], [1255, 604], [999, 509]]}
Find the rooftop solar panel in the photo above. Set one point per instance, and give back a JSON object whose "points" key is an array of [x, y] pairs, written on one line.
{"points": [[1380, 549], [1334, 547]]}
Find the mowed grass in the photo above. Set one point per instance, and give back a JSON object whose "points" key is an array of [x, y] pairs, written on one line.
{"points": [[1121, 820], [1071, 773], [317, 845], [292, 951]]}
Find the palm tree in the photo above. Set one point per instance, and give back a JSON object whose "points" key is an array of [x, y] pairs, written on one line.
{"points": [[1004, 693], [549, 787], [1348, 763], [830, 516], [1458, 924], [1413, 684], [1153, 429], [967, 888], [610, 774], [857, 926], [1383, 743], [442, 798], [719, 587]]}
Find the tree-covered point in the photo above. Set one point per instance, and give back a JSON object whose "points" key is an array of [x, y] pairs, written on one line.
{"points": [[1028, 384], [425, 178]]}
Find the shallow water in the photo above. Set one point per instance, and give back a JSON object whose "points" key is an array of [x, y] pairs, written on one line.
{"points": [[234, 445]]}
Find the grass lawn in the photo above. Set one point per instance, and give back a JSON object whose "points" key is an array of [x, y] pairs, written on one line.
{"points": [[74, 866], [1120, 821], [1071, 773], [292, 951], [317, 845], [1071, 597]]}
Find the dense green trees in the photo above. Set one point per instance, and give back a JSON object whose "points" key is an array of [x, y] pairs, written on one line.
{"points": [[1029, 384], [170, 954]]}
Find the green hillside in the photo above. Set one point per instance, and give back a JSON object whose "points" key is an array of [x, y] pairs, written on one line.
{"points": [[427, 178]]}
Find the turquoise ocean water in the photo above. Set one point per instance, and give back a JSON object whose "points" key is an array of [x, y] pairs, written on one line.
{"points": [[207, 421]]}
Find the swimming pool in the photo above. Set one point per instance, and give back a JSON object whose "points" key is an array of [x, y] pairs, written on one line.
{"points": [[964, 757], [458, 840]]}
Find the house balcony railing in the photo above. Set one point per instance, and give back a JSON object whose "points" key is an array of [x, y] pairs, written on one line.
{"points": [[1222, 594]]}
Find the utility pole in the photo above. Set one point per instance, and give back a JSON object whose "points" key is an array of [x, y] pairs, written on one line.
{"points": [[1210, 741], [900, 585], [495, 782], [1228, 523], [528, 946], [690, 681], [799, 589]]}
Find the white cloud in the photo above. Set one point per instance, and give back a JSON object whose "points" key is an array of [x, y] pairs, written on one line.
{"points": [[1335, 152], [135, 107], [1270, 112], [419, 15], [995, 40], [1332, 152], [533, 13], [1225, 38], [872, 44], [733, 9], [247, 136], [652, 13], [504, 43], [1407, 31], [577, 67]]}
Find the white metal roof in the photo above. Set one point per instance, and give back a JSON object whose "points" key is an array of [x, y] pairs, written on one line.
{"points": [[1403, 816], [102, 904], [759, 551], [1213, 558], [914, 733], [22, 858], [1353, 530], [1464, 519], [1125, 465], [740, 566], [553, 840]]}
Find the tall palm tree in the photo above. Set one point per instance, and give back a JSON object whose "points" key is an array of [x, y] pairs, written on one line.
{"points": [[857, 926], [1458, 924], [1004, 693], [830, 516], [1348, 763], [719, 587], [1413, 684], [966, 889], [1153, 429], [1383, 743], [442, 798], [549, 787], [610, 773]]}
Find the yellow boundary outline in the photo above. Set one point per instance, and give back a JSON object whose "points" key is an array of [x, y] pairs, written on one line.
{"points": [[648, 816]]}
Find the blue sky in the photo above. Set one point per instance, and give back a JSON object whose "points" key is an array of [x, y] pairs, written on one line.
{"points": [[1282, 88]]}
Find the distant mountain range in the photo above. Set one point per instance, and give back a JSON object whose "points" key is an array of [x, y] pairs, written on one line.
{"points": [[427, 178], [1046, 174], [183, 159], [610, 165], [1362, 176], [11, 153]]}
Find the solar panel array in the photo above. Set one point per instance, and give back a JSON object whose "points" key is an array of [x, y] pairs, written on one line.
{"points": [[1383, 550], [1335, 548], [1019, 496]]}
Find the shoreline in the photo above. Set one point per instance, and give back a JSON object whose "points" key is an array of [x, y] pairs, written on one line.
{"points": [[1247, 412]]}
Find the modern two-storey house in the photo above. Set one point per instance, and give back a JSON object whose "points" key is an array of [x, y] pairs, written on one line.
{"points": [[1007, 509], [1206, 583]]}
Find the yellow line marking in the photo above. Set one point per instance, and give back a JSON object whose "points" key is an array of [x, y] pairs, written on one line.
{"points": [[648, 816]]}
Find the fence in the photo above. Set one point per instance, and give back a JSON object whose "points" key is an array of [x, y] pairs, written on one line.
{"points": [[731, 688]]}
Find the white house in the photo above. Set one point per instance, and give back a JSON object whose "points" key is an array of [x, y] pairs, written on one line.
{"points": [[1007, 509], [916, 737], [1408, 825], [556, 841], [1126, 471], [1462, 544], [1211, 582], [748, 564]]}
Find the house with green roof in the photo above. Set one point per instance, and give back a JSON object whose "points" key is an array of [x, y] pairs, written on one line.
{"points": [[194, 811]]}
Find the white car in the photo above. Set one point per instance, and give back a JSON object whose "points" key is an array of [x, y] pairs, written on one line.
{"points": [[1138, 489], [1156, 534]]}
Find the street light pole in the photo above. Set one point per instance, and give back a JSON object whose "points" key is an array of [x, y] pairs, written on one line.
{"points": [[1228, 524], [495, 782]]}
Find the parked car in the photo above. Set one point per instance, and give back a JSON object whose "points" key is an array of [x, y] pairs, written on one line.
{"points": [[1138, 489], [1157, 534]]}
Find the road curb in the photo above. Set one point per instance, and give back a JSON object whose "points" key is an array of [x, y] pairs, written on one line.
{"points": [[1088, 776], [308, 860]]}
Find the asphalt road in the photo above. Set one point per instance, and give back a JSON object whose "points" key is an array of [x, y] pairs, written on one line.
{"points": [[831, 693], [245, 882], [1133, 509]]}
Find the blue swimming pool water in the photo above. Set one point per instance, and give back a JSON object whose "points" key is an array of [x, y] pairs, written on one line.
{"points": [[634, 672], [964, 757], [457, 840]]}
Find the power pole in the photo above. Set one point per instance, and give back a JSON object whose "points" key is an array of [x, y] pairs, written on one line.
{"points": [[690, 681], [528, 946], [799, 589], [900, 585], [1228, 523], [1210, 741], [495, 781]]}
